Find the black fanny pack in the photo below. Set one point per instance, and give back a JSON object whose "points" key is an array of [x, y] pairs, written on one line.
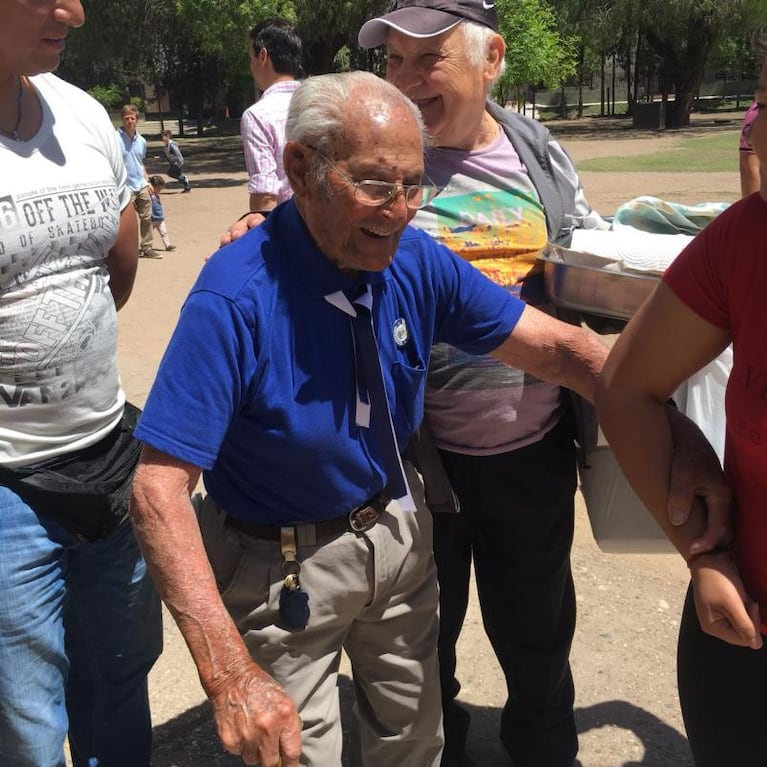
{"points": [[86, 492]]}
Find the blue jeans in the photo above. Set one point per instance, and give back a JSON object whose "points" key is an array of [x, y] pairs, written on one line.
{"points": [[80, 628]]}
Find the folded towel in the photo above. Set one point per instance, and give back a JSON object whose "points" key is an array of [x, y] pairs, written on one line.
{"points": [[651, 214], [631, 249]]}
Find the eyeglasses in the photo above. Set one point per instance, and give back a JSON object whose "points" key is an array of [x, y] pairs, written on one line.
{"points": [[376, 193]]}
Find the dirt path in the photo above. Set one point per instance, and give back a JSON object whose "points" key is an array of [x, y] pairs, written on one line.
{"points": [[624, 653]]}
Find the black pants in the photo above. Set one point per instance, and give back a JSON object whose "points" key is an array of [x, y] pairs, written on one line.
{"points": [[516, 521], [722, 690]]}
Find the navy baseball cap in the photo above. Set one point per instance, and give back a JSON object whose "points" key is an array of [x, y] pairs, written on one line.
{"points": [[427, 18]]}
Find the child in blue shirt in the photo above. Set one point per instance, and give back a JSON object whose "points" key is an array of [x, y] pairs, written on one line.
{"points": [[156, 183]]}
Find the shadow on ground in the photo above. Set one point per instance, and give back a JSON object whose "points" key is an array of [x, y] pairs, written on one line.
{"points": [[210, 155], [199, 183], [190, 739]]}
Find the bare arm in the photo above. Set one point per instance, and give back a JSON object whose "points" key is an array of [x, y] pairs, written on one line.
{"points": [[122, 259], [554, 351], [254, 716], [749, 173], [262, 201], [663, 345]]}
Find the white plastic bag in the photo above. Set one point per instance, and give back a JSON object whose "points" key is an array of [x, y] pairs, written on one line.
{"points": [[701, 399]]}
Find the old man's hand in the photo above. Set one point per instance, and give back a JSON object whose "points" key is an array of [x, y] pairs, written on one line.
{"points": [[257, 720], [697, 474]]}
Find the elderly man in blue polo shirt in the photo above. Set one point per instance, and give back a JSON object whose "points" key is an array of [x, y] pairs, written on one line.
{"points": [[311, 539]]}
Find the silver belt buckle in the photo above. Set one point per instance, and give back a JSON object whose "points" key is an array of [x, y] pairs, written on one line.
{"points": [[362, 519]]}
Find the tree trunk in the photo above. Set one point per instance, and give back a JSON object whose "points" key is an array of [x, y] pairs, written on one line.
{"points": [[678, 111], [602, 86], [319, 57], [684, 68], [580, 80]]}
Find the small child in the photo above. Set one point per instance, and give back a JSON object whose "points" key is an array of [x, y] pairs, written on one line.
{"points": [[158, 214], [175, 160]]}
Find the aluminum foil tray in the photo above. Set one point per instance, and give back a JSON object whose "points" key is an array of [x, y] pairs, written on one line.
{"points": [[584, 282]]}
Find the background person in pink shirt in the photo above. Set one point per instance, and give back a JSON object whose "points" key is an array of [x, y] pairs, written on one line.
{"points": [[275, 63], [749, 162]]}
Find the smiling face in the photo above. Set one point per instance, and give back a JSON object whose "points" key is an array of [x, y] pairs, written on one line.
{"points": [[449, 89], [32, 34], [382, 142]]}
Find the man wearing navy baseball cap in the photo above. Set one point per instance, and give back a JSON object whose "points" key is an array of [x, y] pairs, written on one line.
{"points": [[506, 439], [427, 18]]}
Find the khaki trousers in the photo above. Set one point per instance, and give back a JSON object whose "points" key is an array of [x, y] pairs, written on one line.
{"points": [[143, 205], [372, 594]]}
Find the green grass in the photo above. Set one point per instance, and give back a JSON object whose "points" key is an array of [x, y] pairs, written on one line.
{"points": [[707, 154]]}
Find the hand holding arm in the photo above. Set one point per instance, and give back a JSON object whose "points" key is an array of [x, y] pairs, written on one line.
{"points": [[697, 474], [661, 346], [657, 448], [254, 716]]}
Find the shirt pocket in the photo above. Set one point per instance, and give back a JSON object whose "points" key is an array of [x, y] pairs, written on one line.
{"points": [[409, 382]]}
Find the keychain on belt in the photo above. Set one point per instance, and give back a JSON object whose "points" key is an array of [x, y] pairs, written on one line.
{"points": [[294, 601]]}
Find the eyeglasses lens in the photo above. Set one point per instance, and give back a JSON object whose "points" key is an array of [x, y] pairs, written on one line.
{"points": [[381, 192]]}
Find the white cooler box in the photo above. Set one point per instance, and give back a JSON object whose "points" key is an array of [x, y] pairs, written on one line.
{"points": [[620, 523]]}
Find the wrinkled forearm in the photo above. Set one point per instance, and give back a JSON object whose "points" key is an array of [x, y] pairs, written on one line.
{"points": [[554, 351], [581, 360], [170, 539]]}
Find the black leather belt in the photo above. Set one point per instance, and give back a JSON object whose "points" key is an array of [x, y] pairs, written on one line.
{"points": [[358, 520]]}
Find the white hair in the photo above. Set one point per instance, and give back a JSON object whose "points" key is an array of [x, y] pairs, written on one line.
{"points": [[319, 110], [476, 44]]}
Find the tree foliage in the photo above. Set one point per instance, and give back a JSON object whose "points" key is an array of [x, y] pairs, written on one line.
{"points": [[196, 51], [664, 45], [682, 34], [329, 26], [536, 52]]}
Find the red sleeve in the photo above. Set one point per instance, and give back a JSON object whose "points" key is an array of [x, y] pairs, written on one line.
{"points": [[695, 278]]}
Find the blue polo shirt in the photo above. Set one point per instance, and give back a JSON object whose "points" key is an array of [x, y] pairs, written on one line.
{"points": [[134, 153], [257, 385]]}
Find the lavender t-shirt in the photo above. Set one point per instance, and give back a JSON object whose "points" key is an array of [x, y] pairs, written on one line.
{"points": [[489, 213]]}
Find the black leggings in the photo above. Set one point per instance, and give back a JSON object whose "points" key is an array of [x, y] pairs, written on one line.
{"points": [[722, 690]]}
